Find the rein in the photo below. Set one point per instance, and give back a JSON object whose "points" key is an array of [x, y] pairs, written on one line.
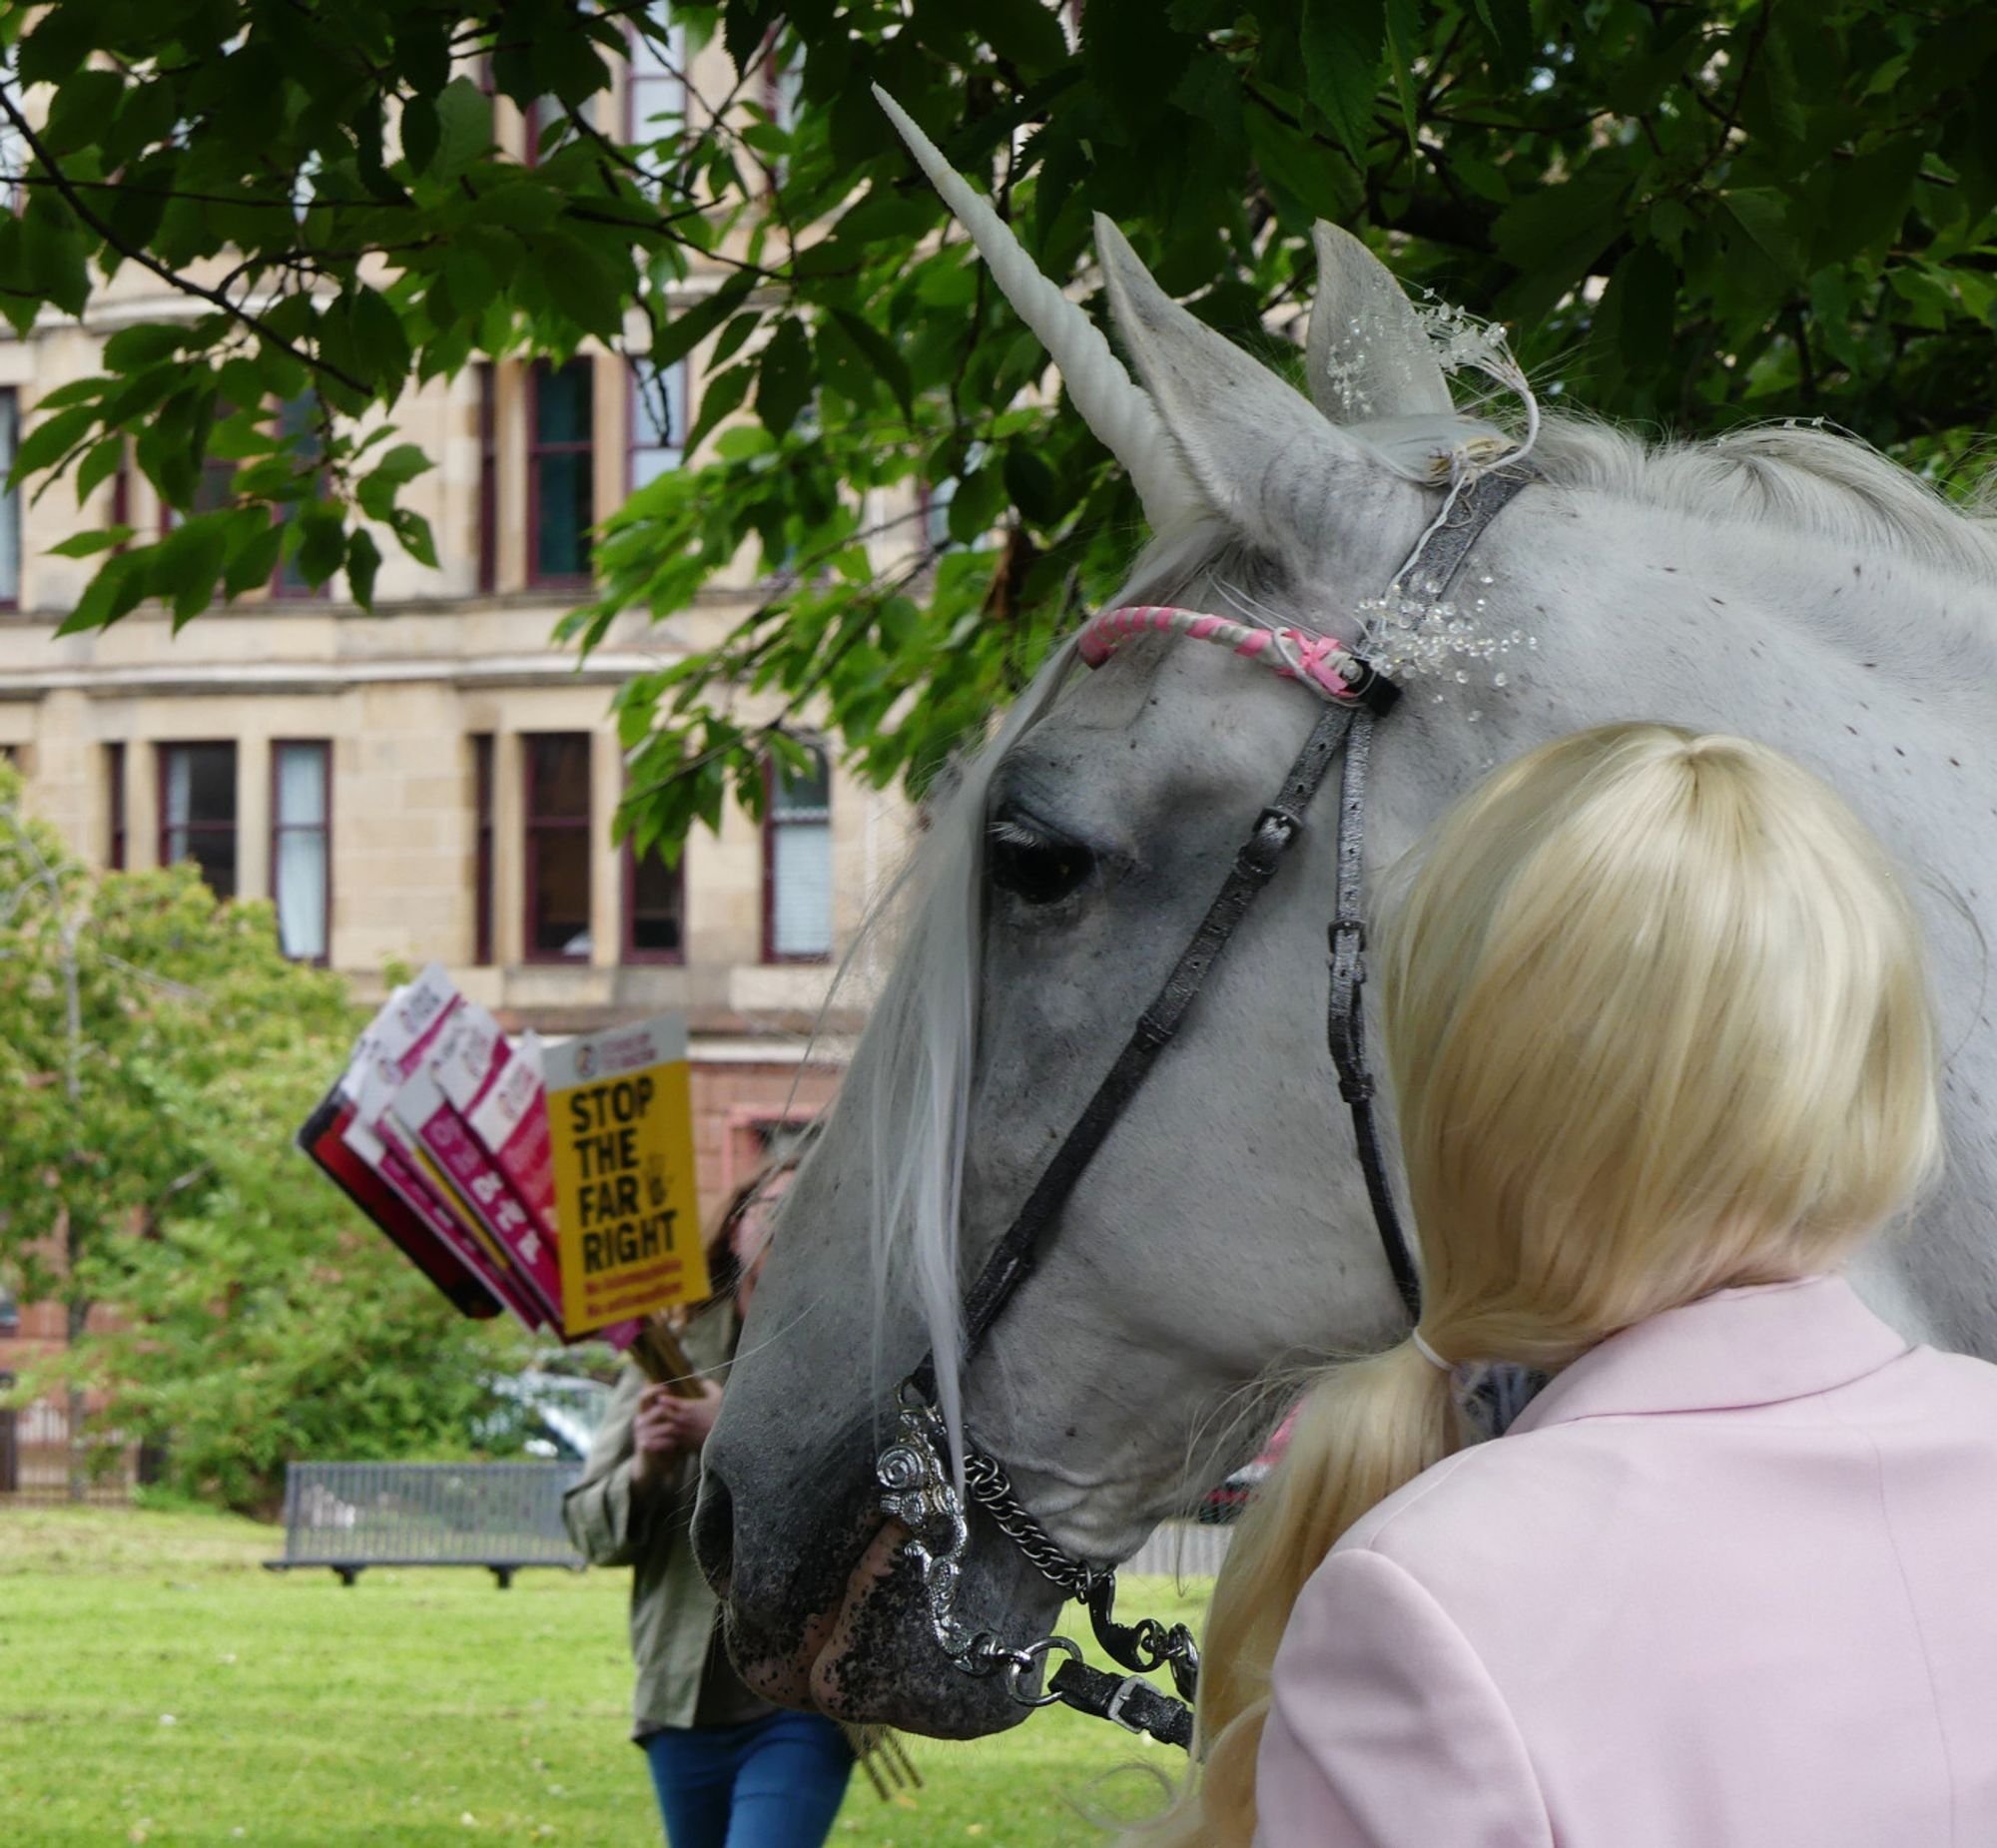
{"points": [[917, 1485]]}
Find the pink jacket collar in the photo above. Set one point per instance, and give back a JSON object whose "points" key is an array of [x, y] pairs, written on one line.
{"points": [[1747, 1347]]}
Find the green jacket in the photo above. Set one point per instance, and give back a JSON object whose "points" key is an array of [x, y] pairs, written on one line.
{"points": [[683, 1675]]}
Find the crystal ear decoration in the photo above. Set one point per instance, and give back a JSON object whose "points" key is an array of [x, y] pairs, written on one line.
{"points": [[1413, 630]]}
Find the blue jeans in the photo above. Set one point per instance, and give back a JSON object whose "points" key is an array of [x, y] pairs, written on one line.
{"points": [[775, 1782]]}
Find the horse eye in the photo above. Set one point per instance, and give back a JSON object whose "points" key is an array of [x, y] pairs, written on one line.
{"points": [[1035, 867]]}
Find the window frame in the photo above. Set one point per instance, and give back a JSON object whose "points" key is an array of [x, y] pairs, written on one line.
{"points": [[11, 508], [634, 403], [483, 788], [628, 947], [537, 372], [772, 822], [118, 831], [164, 751], [532, 825], [488, 567], [280, 828]]}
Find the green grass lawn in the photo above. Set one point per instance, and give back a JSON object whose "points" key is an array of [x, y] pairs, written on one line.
{"points": [[156, 1686]]}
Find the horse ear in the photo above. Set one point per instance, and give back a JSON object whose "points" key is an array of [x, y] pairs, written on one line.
{"points": [[1368, 358], [1230, 418]]}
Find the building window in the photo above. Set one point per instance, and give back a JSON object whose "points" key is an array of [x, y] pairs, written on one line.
{"points": [[114, 786], [654, 908], [10, 502], [559, 475], [299, 438], [198, 812], [10, 1323], [488, 482], [481, 852], [658, 421], [656, 97], [797, 865], [557, 828], [302, 846]]}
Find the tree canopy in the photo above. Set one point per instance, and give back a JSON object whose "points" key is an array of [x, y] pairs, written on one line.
{"points": [[1692, 213], [157, 1055]]}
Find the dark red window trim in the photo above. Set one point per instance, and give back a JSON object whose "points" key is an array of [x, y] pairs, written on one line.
{"points": [[325, 826], [488, 481], [12, 396], [233, 828], [771, 824], [481, 856], [631, 950], [114, 778], [533, 824], [536, 449]]}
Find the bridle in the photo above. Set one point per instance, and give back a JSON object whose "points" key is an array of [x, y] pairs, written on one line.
{"points": [[918, 1487]]}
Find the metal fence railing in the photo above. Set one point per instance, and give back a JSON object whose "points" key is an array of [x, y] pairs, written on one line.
{"points": [[1181, 1549], [501, 1515]]}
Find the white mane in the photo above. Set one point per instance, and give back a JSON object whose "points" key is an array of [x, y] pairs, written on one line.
{"points": [[914, 1088]]}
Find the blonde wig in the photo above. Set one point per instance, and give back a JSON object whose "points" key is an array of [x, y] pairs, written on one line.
{"points": [[1657, 1020]]}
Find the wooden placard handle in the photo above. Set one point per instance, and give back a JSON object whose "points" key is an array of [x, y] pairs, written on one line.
{"points": [[658, 1355]]}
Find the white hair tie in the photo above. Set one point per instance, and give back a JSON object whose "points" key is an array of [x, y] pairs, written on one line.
{"points": [[1427, 1353]]}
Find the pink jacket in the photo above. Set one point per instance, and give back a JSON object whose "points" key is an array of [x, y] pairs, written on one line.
{"points": [[1729, 1582]]}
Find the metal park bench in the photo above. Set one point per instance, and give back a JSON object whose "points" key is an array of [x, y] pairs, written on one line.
{"points": [[501, 1515]]}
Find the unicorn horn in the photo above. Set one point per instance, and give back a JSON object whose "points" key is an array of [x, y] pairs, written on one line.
{"points": [[1112, 404]]}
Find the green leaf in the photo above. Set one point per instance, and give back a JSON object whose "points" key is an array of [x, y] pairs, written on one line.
{"points": [[379, 344], [465, 127], [1343, 41], [187, 564], [686, 330], [1762, 214], [132, 350], [1870, 196], [1404, 19], [99, 464], [585, 288], [784, 377], [64, 36], [881, 354], [422, 133], [363, 560], [322, 542], [393, 472], [413, 530], [721, 396], [1509, 24], [113, 592], [1025, 32], [83, 544], [50, 440], [255, 543]]}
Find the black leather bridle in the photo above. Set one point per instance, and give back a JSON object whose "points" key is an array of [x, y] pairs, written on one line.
{"points": [[917, 1487]]}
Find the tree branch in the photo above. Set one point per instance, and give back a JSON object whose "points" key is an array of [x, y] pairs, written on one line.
{"points": [[145, 261]]}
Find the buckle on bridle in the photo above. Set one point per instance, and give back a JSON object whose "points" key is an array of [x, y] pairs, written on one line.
{"points": [[1275, 828], [1129, 1685]]}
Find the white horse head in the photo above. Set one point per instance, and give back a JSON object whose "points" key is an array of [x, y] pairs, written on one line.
{"points": [[1786, 584]]}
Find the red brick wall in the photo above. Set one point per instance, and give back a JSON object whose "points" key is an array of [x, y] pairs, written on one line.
{"points": [[732, 1102]]}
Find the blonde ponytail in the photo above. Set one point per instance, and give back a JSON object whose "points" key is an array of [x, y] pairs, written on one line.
{"points": [[1363, 1429], [1657, 1019]]}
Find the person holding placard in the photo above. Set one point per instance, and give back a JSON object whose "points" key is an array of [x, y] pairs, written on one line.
{"points": [[730, 1770]]}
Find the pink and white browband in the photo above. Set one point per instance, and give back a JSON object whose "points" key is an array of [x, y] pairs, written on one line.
{"points": [[1296, 654]]}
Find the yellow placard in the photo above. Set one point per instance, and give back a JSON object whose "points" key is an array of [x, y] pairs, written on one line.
{"points": [[627, 1217]]}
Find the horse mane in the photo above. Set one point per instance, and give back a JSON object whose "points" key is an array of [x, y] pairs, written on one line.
{"points": [[1802, 476]]}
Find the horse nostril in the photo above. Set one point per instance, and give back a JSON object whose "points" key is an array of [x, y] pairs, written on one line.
{"points": [[713, 1531]]}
